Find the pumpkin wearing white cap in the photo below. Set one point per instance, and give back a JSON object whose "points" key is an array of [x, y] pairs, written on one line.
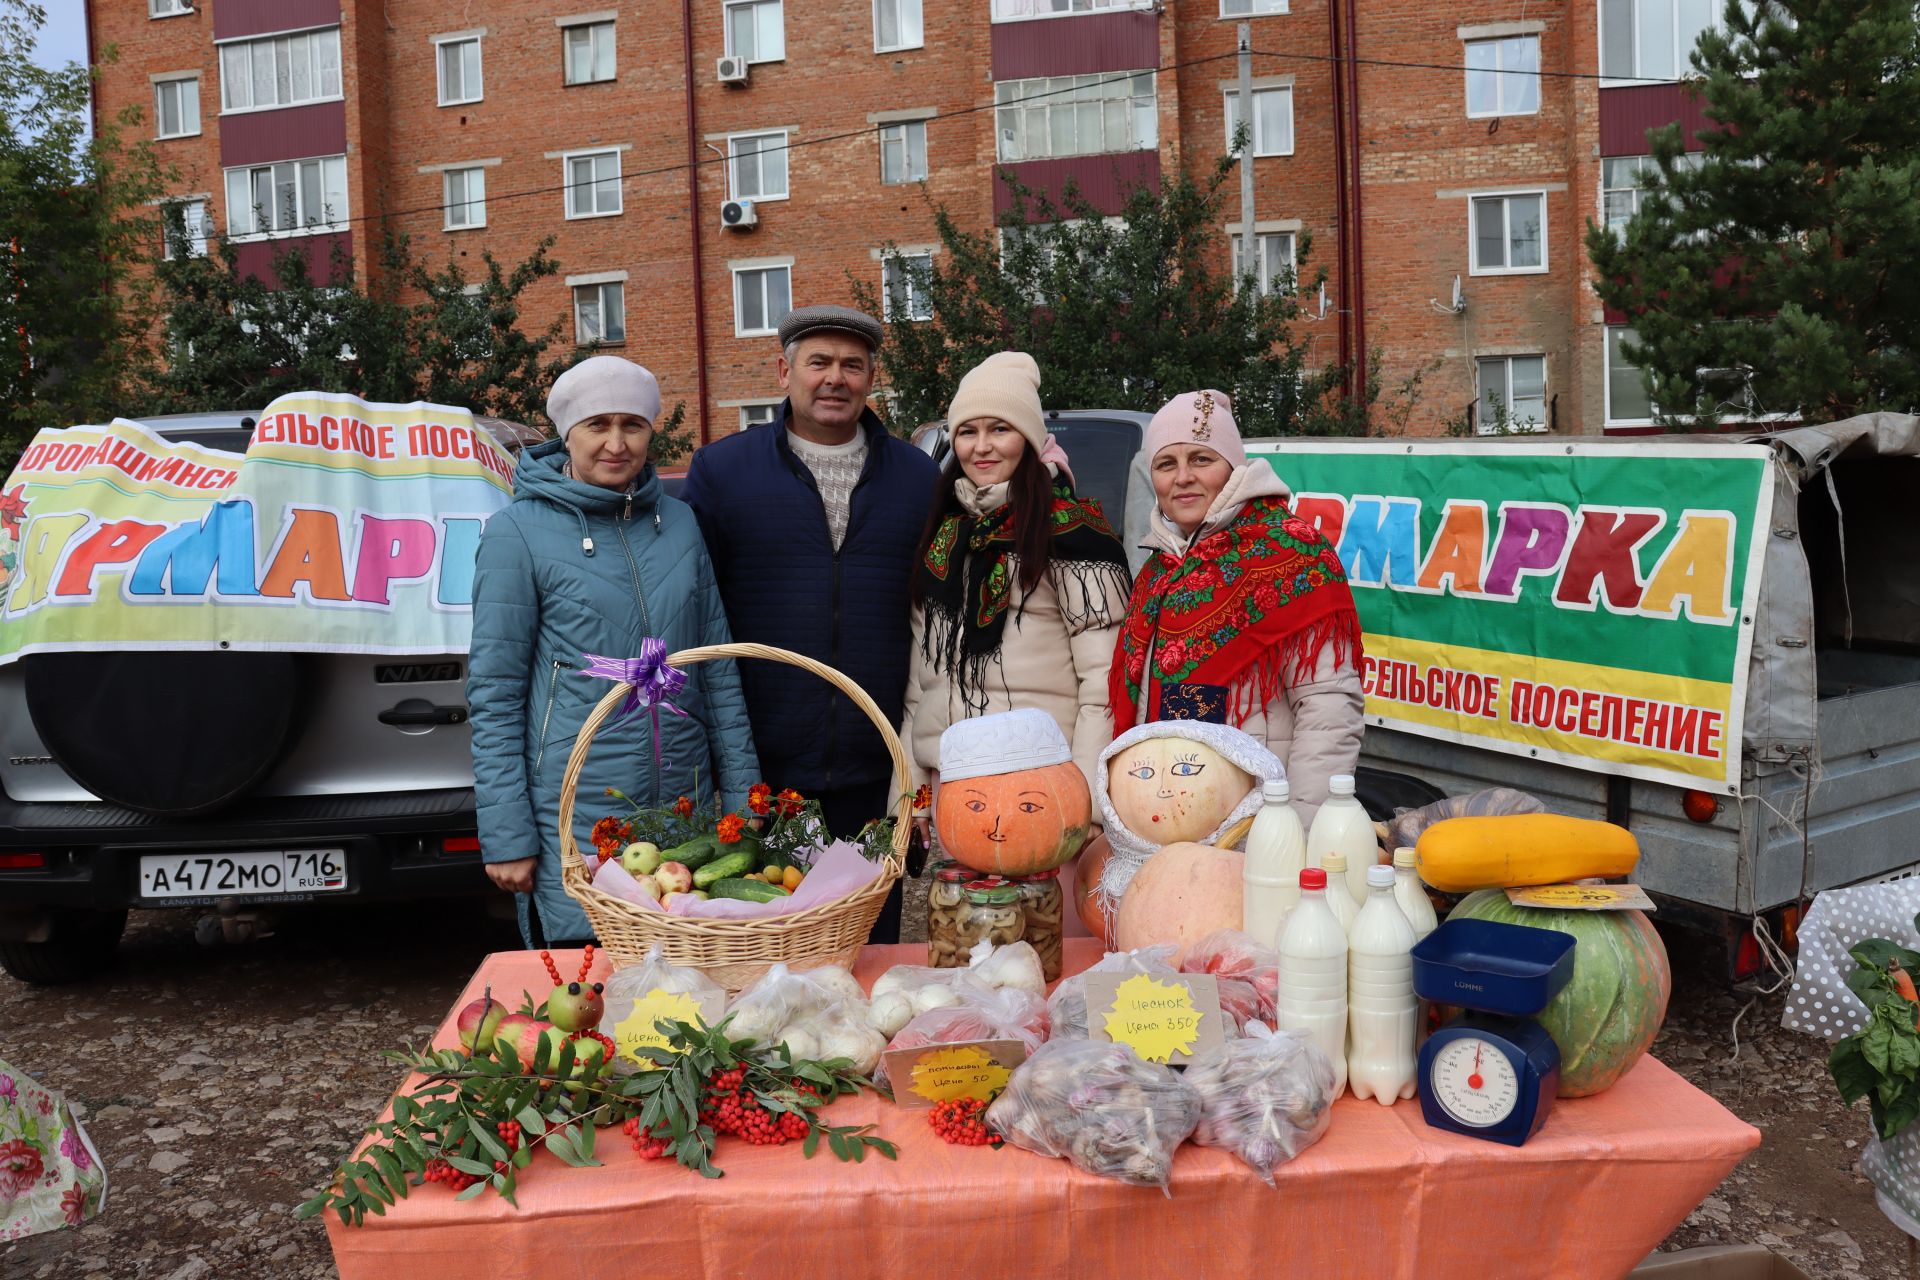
{"points": [[1011, 800]]}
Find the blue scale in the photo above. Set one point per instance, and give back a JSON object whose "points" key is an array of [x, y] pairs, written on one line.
{"points": [[1491, 1072]]}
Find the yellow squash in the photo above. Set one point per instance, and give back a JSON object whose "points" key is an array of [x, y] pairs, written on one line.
{"points": [[1460, 855]]}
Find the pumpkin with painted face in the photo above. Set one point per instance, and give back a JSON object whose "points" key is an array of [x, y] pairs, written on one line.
{"points": [[1170, 789], [1011, 801]]}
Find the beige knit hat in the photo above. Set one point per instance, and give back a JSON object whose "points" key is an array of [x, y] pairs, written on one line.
{"points": [[1006, 385]]}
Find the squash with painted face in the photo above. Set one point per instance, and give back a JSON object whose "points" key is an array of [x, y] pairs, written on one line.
{"points": [[1011, 801], [1171, 789]]}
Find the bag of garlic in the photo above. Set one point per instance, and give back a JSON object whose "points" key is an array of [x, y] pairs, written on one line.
{"points": [[816, 1013], [1266, 1098], [908, 990]]}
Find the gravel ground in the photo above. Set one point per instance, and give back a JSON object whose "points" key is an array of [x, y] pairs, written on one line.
{"points": [[222, 1086]]}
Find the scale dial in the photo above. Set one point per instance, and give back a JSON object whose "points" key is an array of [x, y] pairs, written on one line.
{"points": [[1473, 1080]]}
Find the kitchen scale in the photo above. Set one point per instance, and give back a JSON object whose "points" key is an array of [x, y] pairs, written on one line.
{"points": [[1491, 1072]]}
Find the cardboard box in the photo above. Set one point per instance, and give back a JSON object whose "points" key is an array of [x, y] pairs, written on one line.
{"points": [[1720, 1262]]}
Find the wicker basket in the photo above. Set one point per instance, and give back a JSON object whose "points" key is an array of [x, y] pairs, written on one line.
{"points": [[734, 952]]}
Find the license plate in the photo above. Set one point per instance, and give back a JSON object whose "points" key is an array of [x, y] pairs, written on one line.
{"points": [[203, 875]]}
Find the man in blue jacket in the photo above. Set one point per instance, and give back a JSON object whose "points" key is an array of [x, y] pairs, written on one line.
{"points": [[812, 522]]}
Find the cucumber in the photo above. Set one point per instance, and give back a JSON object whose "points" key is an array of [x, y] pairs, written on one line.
{"points": [[723, 868], [746, 890], [695, 853]]}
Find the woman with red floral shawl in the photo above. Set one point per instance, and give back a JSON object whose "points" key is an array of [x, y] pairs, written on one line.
{"points": [[1242, 614]]}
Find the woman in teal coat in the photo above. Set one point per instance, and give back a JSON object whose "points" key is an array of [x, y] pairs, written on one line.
{"points": [[591, 558]]}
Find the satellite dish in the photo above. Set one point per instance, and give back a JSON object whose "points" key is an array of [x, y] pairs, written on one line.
{"points": [[1459, 302], [1323, 300]]}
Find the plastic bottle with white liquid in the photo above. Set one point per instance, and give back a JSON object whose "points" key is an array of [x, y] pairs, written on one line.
{"points": [[1313, 974], [1412, 895], [1276, 854], [1342, 826], [1383, 1013], [1343, 908]]}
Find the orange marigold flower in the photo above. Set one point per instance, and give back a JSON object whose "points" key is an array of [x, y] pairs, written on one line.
{"points": [[758, 796], [790, 802], [610, 829], [923, 797], [729, 828], [684, 807]]}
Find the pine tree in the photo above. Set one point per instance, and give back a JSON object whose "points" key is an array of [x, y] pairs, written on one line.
{"points": [[1769, 274]]}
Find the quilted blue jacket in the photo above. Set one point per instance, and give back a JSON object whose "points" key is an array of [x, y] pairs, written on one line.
{"points": [[784, 584], [565, 570]]}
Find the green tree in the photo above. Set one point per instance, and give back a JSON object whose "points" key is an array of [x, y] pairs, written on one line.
{"points": [[1120, 313], [1763, 276], [76, 224]]}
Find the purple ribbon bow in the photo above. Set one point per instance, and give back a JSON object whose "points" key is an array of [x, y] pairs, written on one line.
{"points": [[654, 684]]}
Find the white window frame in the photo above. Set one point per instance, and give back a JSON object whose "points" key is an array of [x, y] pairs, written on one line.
{"points": [[1473, 240], [905, 131], [916, 39], [766, 270], [1607, 345], [468, 175], [919, 306], [593, 28], [186, 98], [1033, 11], [196, 244], [572, 191], [758, 156], [1263, 244], [168, 8], [727, 9], [441, 44], [1503, 78], [1505, 390], [341, 216], [1643, 164], [772, 408], [599, 288], [1259, 141], [1015, 100], [317, 38], [1251, 8], [1635, 74]]}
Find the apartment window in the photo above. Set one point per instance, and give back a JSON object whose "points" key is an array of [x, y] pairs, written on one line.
{"points": [[292, 195], [1016, 10], [759, 415], [1272, 121], [1076, 115], [1623, 181], [1273, 268], [280, 71], [593, 184], [903, 284], [196, 226], [589, 52], [1650, 39], [1513, 394], [897, 25], [756, 30], [762, 296], [1627, 398], [1250, 8], [459, 72], [1503, 76], [903, 152], [176, 107], [1509, 233], [600, 313], [466, 198], [757, 166], [167, 8]]}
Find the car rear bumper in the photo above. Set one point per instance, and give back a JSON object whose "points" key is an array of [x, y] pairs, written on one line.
{"points": [[395, 846]]}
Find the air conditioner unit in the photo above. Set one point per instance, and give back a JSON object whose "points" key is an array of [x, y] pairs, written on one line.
{"points": [[731, 70], [738, 215]]}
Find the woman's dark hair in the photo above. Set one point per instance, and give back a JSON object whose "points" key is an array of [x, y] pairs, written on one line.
{"points": [[1030, 493]]}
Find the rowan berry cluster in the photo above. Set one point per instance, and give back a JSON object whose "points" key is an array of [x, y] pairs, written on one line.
{"points": [[962, 1121], [649, 1147], [440, 1171], [732, 1107]]}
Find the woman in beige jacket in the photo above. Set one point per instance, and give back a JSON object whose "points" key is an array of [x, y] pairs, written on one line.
{"points": [[1019, 586]]}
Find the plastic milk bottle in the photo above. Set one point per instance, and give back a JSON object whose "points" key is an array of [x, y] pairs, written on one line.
{"points": [[1383, 1013], [1338, 902], [1276, 854], [1342, 826], [1313, 974], [1412, 895]]}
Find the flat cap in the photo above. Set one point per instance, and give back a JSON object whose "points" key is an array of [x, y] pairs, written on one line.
{"points": [[829, 318]]}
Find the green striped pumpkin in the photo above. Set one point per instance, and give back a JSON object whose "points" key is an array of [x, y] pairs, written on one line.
{"points": [[1613, 1006]]}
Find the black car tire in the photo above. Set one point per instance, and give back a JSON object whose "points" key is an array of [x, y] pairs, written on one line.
{"points": [[172, 734], [80, 945]]}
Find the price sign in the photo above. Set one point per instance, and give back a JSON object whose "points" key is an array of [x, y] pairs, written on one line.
{"points": [[1582, 897], [638, 1029], [1163, 1018], [939, 1072]]}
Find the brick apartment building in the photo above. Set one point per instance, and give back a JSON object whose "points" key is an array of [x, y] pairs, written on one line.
{"points": [[623, 131]]}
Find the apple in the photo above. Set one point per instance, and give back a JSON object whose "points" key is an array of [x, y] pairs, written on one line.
{"points": [[576, 1006], [506, 1036], [674, 877], [700, 895], [649, 886], [641, 858], [478, 1021]]}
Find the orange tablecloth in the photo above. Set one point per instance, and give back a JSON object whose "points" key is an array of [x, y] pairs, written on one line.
{"points": [[1381, 1196]]}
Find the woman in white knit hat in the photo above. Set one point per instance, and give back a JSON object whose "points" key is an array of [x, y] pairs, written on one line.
{"points": [[591, 558], [1019, 585]]}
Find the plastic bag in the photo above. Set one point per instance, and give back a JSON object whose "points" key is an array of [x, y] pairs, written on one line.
{"points": [[654, 973], [816, 1013], [1266, 1098], [988, 1015], [1248, 975], [1101, 1107], [1067, 1006], [907, 990], [1404, 831]]}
